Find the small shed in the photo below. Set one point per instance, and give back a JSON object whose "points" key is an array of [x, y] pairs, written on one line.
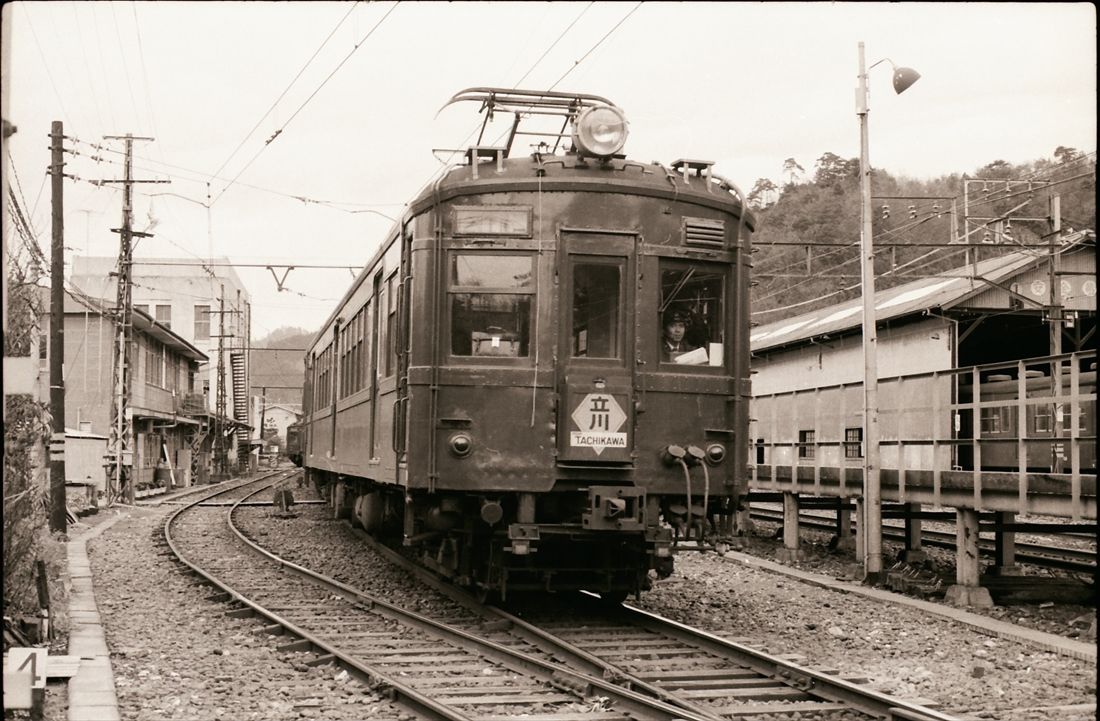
{"points": [[84, 465]]}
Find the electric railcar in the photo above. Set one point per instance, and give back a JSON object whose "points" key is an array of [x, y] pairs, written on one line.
{"points": [[496, 389], [1045, 448]]}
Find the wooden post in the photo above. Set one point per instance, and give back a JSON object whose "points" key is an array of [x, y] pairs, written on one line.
{"points": [[58, 522]]}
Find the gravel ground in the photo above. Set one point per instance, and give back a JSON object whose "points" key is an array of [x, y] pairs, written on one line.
{"points": [[176, 655], [899, 650], [1069, 620]]}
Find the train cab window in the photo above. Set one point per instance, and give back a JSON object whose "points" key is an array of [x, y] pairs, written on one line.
{"points": [[692, 327], [491, 299], [597, 306]]}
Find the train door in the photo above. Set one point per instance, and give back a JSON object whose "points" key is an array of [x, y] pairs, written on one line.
{"points": [[596, 348], [376, 317]]}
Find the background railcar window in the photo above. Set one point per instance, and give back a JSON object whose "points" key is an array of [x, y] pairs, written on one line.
{"points": [[692, 294], [597, 307], [491, 297]]}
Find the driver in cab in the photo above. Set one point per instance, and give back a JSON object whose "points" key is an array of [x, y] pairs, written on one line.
{"points": [[674, 348]]}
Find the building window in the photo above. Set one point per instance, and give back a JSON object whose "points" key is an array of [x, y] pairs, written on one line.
{"points": [[164, 315], [806, 447], [142, 307], [853, 443], [202, 322]]}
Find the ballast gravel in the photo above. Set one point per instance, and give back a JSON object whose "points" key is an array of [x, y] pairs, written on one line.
{"points": [[898, 650], [176, 655]]}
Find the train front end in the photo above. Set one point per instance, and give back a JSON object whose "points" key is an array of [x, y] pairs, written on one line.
{"points": [[577, 376]]}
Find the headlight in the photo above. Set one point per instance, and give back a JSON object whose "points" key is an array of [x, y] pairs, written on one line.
{"points": [[461, 445], [716, 453], [600, 131]]}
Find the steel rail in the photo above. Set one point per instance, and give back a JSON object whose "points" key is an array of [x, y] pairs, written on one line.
{"points": [[813, 682], [636, 704], [546, 642], [1067, 559], [407, 696], [781, 670]]}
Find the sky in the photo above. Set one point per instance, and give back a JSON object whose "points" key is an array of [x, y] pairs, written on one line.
{"points": [[292, 132]]}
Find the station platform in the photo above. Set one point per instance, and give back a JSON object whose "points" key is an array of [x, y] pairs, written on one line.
{"points": [[92, 690]]}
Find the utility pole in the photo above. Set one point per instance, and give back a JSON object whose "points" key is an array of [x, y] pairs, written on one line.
{"points": [[220, 460], [263, 413], [1056, 326], [120, 445], [58, 511]]}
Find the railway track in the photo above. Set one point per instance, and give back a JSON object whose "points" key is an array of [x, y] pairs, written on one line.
{"points": [[469, 661], [703, 674], [1043, 555], [432, 668]]}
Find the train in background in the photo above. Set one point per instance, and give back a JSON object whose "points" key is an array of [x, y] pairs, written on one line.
{"points": [[1045, 438], [543, 373], [294, 443]]}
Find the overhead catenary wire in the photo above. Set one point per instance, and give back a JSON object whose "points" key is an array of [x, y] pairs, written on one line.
{"points": [[285, 91], [301, 107], [45, 63]]}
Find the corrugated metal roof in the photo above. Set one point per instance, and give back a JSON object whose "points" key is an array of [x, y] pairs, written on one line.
{"points": [[943, 291]]}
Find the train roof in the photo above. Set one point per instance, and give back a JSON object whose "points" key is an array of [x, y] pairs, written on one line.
{"points": [[944, 290]]}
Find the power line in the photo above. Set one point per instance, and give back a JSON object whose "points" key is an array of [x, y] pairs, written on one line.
{"points": [[45, 64], [598, 43], [288, 87], [293, 115], [554, 44], [144, 70], [125, 65]]}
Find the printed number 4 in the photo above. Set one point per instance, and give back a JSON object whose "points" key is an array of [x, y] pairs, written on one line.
{"points": [[33, 661]]}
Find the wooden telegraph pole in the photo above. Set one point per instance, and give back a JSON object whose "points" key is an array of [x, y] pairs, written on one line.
{"points": [[58, 511]]}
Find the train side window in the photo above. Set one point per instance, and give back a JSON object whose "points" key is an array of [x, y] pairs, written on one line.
{"points": [[597, 306], [1043, 415], [491, 300], [692, 324]]}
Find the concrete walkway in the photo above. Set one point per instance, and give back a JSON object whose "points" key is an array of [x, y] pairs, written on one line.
{"points": [[92, 690]]}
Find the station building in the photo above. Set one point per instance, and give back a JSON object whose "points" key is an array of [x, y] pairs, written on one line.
{"points": [[986, 326]]}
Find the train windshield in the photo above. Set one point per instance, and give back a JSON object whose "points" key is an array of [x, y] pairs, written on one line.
{"points": [[491, 297], [691, 313]]}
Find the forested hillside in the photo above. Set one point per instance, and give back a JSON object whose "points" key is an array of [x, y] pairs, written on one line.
{"points": [[807, 239], [279, 370]]}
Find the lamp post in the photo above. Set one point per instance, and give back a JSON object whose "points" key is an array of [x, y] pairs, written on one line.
{"points": [[872, 493]]}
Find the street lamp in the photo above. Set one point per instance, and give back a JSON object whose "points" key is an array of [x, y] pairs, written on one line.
{"points": [[872, 492]]}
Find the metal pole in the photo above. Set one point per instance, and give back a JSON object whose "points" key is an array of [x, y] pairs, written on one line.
{"points": [[57, 331], [872, 497], [1056, 329]]}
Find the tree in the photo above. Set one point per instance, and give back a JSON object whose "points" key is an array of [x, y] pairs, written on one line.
{"points": [[1063, 154], [833, 169], [763, 193], [792, 170]]}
